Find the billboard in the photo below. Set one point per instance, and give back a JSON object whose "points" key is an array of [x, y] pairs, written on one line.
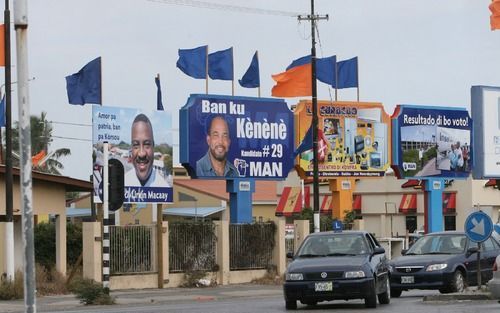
{"points": [[486, 112], [431, 141], [142, 141], [229, 137], [353, 138]]}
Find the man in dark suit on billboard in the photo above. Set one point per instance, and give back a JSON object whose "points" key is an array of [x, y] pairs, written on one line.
{"points": [[214, 162]]}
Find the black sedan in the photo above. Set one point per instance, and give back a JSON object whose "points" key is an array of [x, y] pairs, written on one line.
{"points": [[338, 266], [446, 261]]}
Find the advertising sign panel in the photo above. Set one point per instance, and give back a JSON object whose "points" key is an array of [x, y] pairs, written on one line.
{"points": [[486, 112], [142, 141], [431, 141], [228, 137], [353, 138]]}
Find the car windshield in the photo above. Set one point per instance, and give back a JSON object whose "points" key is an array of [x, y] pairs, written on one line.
{"points": [[439, 244], [333, 245]]}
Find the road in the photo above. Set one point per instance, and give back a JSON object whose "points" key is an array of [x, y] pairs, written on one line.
{"points": [[251, 299]]}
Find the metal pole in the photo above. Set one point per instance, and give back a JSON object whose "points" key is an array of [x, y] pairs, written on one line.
{"points": [[21, 27], [105, 219], [478, 265], [9, 215], [314, 123]]}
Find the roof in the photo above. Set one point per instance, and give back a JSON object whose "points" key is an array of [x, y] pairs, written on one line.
{"points": [[355, 232], [70, 184], [265, 190], [74, 212], [192, 212]]}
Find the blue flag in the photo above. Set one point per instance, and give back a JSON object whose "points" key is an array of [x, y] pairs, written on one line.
{"points": [[193, 62], [251, 78], [306, 144], [2, 112], [347, 73], [220, 64], [85, 86], [325, 67], [159, 104]]}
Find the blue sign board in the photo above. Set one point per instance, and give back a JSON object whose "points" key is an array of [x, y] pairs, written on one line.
{"points": [[235, 137], [478, 226], [431, 141], [337, 225]]}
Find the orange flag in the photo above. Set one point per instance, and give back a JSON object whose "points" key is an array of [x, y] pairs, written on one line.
{"points": [[296, 82], [2, 44], [37, 157], [495, 14]]}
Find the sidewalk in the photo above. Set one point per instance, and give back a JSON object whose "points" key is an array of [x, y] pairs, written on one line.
{"points": [[148, 296]]}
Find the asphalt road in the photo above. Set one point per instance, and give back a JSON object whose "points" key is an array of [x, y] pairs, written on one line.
{"points": [[247, 299]]}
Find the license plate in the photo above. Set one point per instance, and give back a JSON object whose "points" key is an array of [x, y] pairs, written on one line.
{"points": [[407, 279], [323, 286]]}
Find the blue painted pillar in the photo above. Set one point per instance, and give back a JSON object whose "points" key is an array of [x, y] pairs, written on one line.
{"points": [[240, 199], [433, 209]]}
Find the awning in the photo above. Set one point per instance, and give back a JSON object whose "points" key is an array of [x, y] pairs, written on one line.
{"points": [[449, 202], [326, 205], [356, 203], [291, 201], [79, 212], [408, 203], [415, 183], [193, 212]]}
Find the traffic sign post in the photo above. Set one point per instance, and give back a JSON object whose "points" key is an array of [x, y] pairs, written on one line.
{"points": [[478, 228]]}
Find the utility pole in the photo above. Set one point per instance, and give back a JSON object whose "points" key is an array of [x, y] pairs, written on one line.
{"points": [[26, 183], [313, 18], [9, 218]]}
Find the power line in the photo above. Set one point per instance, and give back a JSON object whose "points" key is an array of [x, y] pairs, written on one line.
{"points": [[226, 7], [72, 138], [74, 124]]}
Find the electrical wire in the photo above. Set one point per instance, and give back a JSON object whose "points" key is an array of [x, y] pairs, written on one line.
{"points": [[226, 7]]}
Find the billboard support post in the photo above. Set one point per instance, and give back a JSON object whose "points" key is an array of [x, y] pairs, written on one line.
{"points": [[240, 199], [433, 209], [341, 196]]}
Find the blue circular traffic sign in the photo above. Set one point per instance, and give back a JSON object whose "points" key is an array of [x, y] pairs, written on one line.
{"points": [[478, 226]]}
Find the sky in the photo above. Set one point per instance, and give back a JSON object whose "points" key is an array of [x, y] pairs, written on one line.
{"points": [[422, 52]]}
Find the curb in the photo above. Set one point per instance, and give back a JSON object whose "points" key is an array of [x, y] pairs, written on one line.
{"points": [[472, 297]]}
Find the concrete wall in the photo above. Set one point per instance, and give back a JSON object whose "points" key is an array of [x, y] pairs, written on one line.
{"points": [[92, 264]]}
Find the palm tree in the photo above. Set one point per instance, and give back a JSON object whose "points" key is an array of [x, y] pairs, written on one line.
{"points": [[41, 138]]}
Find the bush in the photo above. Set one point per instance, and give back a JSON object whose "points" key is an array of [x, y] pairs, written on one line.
{"points": [[45, 243], [90, 292], [49, 281], [11, 290]]}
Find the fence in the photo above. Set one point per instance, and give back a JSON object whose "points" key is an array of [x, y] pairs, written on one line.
{"points": [[192, 246], [132, 249], [251, 245]]}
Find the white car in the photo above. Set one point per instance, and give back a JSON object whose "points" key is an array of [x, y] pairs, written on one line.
{"points": [[494, 283]]}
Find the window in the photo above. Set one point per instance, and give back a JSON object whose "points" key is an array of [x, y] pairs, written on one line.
{"points": [[450, 222], [489, 245], [411, 223]]}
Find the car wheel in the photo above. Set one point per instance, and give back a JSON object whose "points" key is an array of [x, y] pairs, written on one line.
{"points": [[458, 282], [396, 293], [291, 304], [371, 300], [385, 297]]}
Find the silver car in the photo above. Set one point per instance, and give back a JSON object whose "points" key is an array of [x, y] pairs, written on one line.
{"points": [[494, 283]]}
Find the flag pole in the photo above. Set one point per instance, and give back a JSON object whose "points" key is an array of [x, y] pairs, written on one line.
{"points": [[336, 79], [232, 81], [206, 72], [357, 77], [257, 54]]}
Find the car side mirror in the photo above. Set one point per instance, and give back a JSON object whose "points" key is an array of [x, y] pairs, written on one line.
{"points": [[471, 251], [403, 252], [378, 250], [289, 255]]}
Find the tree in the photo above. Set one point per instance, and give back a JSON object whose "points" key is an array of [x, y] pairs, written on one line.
{"points": [[41, 138]]}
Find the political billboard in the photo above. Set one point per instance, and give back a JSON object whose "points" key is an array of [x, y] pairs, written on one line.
{"points": [[353, 138], [142, 141], [486, 114], [230, 137], [430, 141]]}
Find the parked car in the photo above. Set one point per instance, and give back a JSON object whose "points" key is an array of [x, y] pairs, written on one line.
{"points": [[337, 265], [446, 261], [494, 283]]}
